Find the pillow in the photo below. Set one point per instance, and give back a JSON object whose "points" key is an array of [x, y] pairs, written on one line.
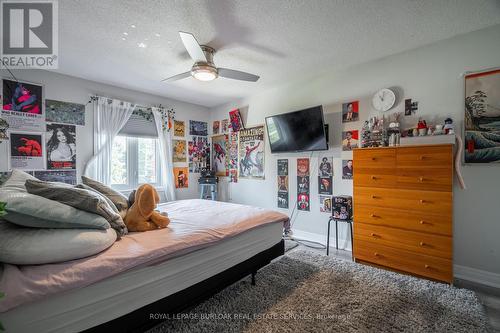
{"points": [[80, 198], [34, 211], [116, 197], [16, 181], [33, 246]]}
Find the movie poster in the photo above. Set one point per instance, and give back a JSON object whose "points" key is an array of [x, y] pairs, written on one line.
{"points": [[235, 119], [347, 169], [350, 112], [216, 127], [350, 140], [61, 146], [179, 128], [179, 147], [199, 128], [233, 156], [64, 112], [325, 175], [251, 152], [283, 189], [303, 182], [22, 105], [61, 176], [482, 118], [224, 125], [181, 177], [27, 151], [199, 153], [325, 203], [220, 163]]}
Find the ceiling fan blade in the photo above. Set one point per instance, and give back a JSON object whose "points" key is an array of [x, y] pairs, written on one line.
{"points": [[177, 77], [237, 75], [193, 47]]}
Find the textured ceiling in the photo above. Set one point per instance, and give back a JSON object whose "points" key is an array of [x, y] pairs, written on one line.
{"points": [[276, 39]]}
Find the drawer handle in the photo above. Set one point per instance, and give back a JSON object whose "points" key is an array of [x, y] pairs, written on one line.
{"points": [[423, 222], [375, 197], [422, 244], [374, 178], [374, 235], [374, 158], [373, 215], [422, 201], [376, 254], [427, 266], [421, 179], [423, 157]]}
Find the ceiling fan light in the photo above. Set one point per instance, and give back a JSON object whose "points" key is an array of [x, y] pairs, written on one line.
{"points": [[204, 75]]}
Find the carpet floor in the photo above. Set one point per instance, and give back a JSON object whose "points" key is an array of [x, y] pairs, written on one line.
{"points": [[307, 292]]}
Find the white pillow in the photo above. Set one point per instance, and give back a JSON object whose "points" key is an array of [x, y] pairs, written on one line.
{"points": [[33, 246]]}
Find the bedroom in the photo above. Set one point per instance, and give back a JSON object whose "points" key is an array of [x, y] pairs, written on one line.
{"points": [[420, 244]]}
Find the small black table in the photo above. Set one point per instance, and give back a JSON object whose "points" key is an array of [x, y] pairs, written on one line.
{"points": [[337, 235]]}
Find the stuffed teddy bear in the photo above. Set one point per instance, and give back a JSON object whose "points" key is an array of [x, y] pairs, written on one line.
{"points": [[141, 216]]}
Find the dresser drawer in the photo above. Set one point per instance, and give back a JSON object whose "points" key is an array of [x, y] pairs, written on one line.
{"points": [[425, 157], [403, 219], [375, 158], [429, 244], [373, 179], [430, 179], [426, 202], [403, 260]]}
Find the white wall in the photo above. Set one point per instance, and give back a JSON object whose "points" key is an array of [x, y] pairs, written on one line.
{"points": [[71, 89], [430, 75]]}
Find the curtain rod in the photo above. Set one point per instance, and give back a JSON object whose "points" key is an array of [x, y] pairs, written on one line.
{"points": [[93, 96]]}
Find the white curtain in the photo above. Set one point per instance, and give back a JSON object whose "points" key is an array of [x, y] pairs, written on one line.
{"points": [[109, 117], [166, 156]]}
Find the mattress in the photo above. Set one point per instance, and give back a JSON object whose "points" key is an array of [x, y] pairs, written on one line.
{"points": [[79, 309]]}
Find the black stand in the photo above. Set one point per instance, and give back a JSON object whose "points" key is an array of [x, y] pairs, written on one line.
{"points": [[337, 235]]}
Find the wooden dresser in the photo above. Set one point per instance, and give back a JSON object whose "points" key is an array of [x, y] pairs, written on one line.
{"points": [[403, 206]]}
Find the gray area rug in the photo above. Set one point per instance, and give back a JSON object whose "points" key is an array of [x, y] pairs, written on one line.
{"points": [[306, 292]]}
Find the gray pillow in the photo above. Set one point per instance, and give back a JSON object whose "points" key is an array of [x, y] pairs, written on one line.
{"points": [[80, 198], [116, 197], [33, 246], [34, 211]]}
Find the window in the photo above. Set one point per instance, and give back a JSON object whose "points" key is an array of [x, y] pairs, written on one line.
{"points": [[134, 161]]}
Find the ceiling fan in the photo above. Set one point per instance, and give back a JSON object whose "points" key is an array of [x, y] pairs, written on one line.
{"points": [[204, 68]]}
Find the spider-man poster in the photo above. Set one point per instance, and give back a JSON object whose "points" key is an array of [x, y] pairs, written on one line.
{"points": [[219, 156], [27, 151], [22, 105], [251, 153]]}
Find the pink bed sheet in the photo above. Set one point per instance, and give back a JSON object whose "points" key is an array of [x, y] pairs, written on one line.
{"points": [[195, 224]]}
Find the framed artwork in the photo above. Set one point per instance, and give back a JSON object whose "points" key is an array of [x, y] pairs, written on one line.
{"points": [[64, 112], [235, 119], [325, 203], [179, 128], [61, 146], [219, 156], [181, 177], [224, 125], [350, 112], [283, 189], [303, 182], [350, 140], [199, 128], [215, 127], [27, 150], [22, 105], [251, 152], [179, 147], [347, 169], [482, 117]]}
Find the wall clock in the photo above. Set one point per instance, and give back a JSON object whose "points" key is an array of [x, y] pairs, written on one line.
{"points": [[384, 100]]}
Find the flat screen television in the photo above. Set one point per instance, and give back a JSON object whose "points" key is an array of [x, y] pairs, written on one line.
{"points": [[302, 130]]}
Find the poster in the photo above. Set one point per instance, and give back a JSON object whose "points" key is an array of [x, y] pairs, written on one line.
{"points": [[233, 176], [350, 140], [179, 147], [198, 128], [325, 203], [350, 112], [224, 125], [233, 156], [64, 112], [325, 175], [235, 119], [22, 105], [347, 169], [179, 128], [199, 153], [61, 146], [251, 152], [62, 176], [181, 177], [27, 151], [215, 127], [303, 183], [220, 162], [283, 189], [482, 117]]}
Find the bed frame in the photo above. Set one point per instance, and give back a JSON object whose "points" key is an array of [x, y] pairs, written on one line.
{"points": [[139, 321]]}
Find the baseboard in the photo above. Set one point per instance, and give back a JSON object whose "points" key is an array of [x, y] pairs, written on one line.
{"points": [[314, 237], [477, 276]]}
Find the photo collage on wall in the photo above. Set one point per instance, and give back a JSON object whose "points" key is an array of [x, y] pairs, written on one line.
{"points": [[303, 184], [233, 157], [283, 189], [42, 131], [220, 159], [251, 153], [199, 153]]}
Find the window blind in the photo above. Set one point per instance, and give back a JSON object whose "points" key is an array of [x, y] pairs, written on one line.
{"points": [[140, 124]]}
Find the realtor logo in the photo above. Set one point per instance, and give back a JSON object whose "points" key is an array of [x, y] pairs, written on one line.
{"points": [[29, 34]]}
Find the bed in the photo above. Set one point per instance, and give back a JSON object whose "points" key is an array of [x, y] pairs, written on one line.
{"points": [[144, 276]]}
